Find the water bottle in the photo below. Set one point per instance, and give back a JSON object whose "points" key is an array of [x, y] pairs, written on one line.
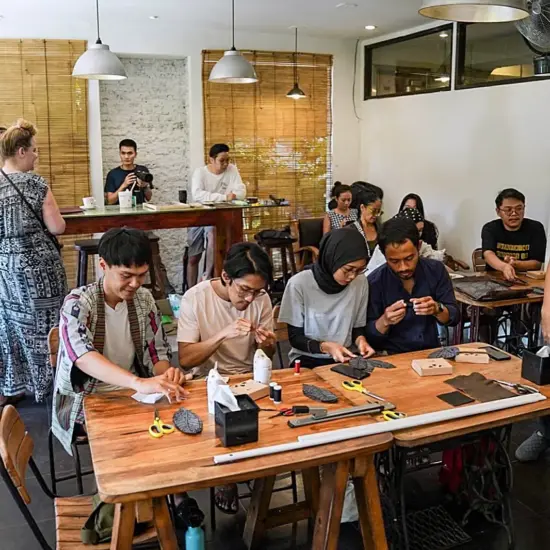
{"points": [[194, 538]]}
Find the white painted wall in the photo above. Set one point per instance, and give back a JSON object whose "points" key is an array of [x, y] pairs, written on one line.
{"points": [[161, 39], [457, 150]]}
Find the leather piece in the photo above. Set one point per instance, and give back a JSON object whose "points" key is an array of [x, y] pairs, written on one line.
{"points": [[480, 388], [319, 394], [445, 353], [187, 422]]}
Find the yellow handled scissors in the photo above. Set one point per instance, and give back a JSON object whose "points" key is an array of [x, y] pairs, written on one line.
{"points": [[356, 385], [158, 428], [392, 415]]}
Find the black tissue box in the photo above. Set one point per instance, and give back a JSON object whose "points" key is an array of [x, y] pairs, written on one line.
{"points": [[237, 427], [535, 369]]}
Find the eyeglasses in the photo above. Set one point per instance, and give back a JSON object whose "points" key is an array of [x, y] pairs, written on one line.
{"points": [[375, 211], [354, 270], [245, 292], [509, 211]]}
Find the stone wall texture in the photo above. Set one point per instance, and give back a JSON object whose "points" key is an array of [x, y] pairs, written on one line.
{"points": [[151, 107]]}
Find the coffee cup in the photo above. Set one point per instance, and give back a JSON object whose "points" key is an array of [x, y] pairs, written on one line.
{"points": [[89, 202], [182, 195], [125, 199]]}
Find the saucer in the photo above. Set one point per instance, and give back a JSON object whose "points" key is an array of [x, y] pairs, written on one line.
{"points": [[82, 207]]}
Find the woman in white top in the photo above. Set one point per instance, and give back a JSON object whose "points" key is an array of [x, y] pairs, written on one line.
{"points": [[326, 307]]}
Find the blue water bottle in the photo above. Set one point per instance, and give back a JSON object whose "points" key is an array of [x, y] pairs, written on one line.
{"points": [[194, 538]]}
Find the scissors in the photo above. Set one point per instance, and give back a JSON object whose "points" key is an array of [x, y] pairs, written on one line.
{"points": [[158, 428], [283, 412], [356, 385], [392, 415], [522, 389]]}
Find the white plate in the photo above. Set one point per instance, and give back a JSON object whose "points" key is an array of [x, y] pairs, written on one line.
{"points": [[87, 207]]}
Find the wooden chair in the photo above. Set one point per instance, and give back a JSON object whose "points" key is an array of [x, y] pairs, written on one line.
{"points": [[310, 233], [478, 261], [53, 348], [281, 332], [16, 448]]}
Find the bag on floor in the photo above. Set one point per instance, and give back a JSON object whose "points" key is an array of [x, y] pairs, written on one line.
{"points": [[99, 525]]}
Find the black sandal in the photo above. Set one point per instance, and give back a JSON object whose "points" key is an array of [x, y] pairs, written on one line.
{"points": [[226, 499]]}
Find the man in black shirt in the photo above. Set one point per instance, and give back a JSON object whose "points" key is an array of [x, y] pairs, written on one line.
{"points": [[513, 243], [124, 177]]}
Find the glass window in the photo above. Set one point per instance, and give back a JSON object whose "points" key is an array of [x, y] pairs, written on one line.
{"points": [[415, 64], [492, 53]]}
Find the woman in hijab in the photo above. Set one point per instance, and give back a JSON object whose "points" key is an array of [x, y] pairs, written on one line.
{"points": [[430, 233], [326, 307]]}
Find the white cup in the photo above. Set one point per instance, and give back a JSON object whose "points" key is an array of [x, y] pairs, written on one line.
{"points": [[125, 199], [89, 202]]}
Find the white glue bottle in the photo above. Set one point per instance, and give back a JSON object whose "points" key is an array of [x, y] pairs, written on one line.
{"points": [[262, 367]]}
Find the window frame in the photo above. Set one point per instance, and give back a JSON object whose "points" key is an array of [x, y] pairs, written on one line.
{"points": [[367, 84], [461, 60]]}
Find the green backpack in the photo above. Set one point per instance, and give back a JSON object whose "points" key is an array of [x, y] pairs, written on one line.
{"points": [[99, 525]]}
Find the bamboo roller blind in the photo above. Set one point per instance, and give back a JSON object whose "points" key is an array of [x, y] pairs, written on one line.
{"points": [[281, 146], [36, 84]]}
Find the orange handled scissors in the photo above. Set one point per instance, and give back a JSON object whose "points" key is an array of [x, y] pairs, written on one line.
{"points": [[158, 428]]}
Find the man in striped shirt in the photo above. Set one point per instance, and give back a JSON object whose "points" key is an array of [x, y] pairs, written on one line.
{"points": [[111, 336]]}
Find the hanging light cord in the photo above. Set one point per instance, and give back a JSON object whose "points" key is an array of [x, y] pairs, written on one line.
{"points": [[296, 55], [98, 41], [233, 24]]}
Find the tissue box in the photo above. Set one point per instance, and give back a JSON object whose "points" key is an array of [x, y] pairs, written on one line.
{"points": [[238, 427], [535, 369]]}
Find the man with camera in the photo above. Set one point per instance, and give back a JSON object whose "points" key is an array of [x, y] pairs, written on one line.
{"points": [[129, 175]]}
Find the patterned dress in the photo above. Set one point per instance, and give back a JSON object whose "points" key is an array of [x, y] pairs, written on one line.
{"points": [[32, 287], [338, 220]]}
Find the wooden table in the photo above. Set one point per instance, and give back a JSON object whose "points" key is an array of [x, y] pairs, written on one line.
{"points": [[415, 395], [227, 221], [475, 307], [130, 466]]}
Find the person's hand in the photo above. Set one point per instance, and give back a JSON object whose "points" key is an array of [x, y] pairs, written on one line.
{"points": [[265, 337], [240, 327], [140, 184], [129, 180], [509, 272], [365, 350], [160, 384], [395, 313], [338, 352], [509, 260], [425, 306], [177, 376], [230, 196]]}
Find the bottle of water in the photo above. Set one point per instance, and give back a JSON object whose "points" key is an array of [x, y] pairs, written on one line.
{"points": [[194, 538]]}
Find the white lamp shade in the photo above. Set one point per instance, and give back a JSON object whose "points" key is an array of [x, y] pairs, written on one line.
{"points": [[475, 11], [98, 62], [233, 68]]}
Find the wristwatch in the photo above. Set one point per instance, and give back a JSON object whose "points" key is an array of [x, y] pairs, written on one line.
{"points": [[440, 308]]}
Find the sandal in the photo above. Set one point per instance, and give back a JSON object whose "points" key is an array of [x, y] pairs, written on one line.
{"points": [[226, 499]]}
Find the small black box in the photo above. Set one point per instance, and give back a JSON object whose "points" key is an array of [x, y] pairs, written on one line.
{"points": [[238, 427], [535, 369]]}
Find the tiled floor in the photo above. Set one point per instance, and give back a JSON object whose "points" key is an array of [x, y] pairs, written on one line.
{"points": [[531, 504]]}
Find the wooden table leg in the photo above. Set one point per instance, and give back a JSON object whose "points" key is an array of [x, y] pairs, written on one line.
{"points": [[228, 231], [257, 512], [327, 522], [123, 526], [369, 507], [312, 488], [163, 524]]}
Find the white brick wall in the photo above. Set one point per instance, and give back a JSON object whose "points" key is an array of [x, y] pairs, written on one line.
{"points": [[151, 107]]}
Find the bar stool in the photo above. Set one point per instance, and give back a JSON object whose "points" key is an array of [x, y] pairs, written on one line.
{"points": [[90, 247], [286, 250]]}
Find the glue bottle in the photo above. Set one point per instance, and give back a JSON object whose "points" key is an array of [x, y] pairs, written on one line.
{"points": [[262, 367], [194, 538]]}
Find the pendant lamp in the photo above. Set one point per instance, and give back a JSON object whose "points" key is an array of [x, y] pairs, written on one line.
{"points": [[233, 68], [475, 11], [296, 92], [98, 62]]}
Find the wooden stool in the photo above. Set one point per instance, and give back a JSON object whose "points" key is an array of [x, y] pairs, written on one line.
{"points": [[90, 247], [285, 248]]}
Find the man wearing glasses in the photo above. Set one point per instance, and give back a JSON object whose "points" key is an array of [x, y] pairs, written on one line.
{"points": [[513, 243], [225, 320]]}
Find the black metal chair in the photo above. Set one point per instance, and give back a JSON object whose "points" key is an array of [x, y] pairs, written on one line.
{"points": [[16, 448]]}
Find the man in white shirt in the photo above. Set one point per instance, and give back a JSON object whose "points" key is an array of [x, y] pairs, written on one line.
{"points": [[218, 181]]}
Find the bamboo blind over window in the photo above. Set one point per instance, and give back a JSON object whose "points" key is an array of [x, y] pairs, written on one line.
{"points": [[281, 146], [36, 84]]}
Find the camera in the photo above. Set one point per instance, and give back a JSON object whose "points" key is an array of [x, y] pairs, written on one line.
{"points": [[144, 176]]}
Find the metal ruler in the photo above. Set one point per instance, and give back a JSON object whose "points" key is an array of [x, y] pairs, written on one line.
{"points": [[370, 408]]}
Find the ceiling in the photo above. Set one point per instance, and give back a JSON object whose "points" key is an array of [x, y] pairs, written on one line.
{"points": [[313, 17]]}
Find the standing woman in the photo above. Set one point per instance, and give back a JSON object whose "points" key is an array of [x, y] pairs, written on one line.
{"points": [[430, 234], [326, 307], [369, 205], [342, 214], [32, 278]]}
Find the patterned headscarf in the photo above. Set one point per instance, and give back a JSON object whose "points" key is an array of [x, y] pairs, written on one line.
{"points": [[411, 214]]}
